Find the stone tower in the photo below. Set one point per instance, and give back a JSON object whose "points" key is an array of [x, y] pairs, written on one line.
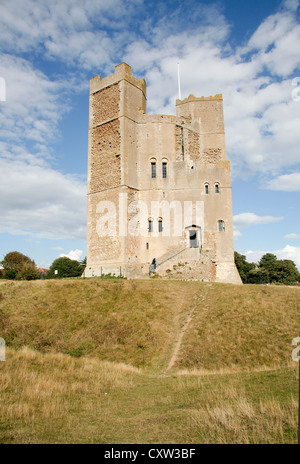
{"points": [[159, 188]]}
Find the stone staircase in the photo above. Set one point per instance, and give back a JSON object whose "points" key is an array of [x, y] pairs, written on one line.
{"points": [[168, 256]]}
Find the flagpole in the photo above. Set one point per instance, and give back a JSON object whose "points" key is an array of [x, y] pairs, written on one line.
{"points": [[179, 90]]}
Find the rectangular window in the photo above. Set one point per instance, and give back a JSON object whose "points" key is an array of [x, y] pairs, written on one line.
{"points": [[164, 170], [153, 170]]}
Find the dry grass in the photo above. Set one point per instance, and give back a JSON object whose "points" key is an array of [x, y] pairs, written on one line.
{"points": [[117, 320], [54, 398], [247, 326], [86, 362]]}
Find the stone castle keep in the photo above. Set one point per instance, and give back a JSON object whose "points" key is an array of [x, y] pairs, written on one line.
{"points": [[159, 186]]}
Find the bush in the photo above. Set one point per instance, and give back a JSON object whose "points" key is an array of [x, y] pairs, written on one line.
{"points": [[65, 267], [20, 267], [10, 274]]}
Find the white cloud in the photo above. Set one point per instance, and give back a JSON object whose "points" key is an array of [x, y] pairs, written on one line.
{"points": [[72, 31], [254, 256], [286, 182], [31, 110], [236, 233], [261, 119], [291, 4], [73, 254], [292, 236], [41, 202], [251, 219], [288, 252]]}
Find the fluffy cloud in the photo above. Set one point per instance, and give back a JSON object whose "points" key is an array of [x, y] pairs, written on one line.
{"points": [[237, 233], [75, 31], [261, 117], [30, 111], [286, 182], [73, 254], [292, 236], [40, 201], [288, 252], [251, 219]]}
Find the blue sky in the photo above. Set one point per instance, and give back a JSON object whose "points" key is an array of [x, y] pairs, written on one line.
{"points": [[248, 51]]}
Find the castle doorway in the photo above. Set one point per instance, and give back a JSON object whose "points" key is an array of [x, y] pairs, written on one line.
{"points": [[193, 239]]}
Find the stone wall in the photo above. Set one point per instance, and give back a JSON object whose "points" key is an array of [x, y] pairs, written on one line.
{"points": [[193, 145], [105, 156], [105, 104], [192, 264], [211, 155]]}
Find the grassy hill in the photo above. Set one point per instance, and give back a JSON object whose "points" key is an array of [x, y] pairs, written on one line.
{"points": [[117, 361]]}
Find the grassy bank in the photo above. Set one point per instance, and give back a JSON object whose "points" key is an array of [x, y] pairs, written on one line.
{"points": [[87, 362]]}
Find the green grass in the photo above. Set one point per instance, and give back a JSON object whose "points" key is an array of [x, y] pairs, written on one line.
{"points": [[86, 362]]}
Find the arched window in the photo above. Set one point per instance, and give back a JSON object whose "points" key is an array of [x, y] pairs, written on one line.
{"points": [[160, 226], [221, 226], [153, 169], [206, 189], [150, 225], [164, 169], [217, 188]]}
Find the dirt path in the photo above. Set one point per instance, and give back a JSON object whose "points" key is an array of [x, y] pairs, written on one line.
{"points": [[197, 301], [178, 344]]}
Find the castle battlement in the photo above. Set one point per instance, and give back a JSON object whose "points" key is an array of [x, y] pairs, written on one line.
{"points": [[122, 72]]}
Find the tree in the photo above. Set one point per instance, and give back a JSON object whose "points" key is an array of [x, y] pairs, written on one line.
{"points": [[65, 267], [243, 266], [285, 272], [268, 270], [14, 260], [258, 276], [280, 271], [20, 267], [268, 261], [28, 271]]}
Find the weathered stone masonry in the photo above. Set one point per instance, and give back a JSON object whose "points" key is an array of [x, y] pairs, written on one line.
{"points": [[189, 154]]}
